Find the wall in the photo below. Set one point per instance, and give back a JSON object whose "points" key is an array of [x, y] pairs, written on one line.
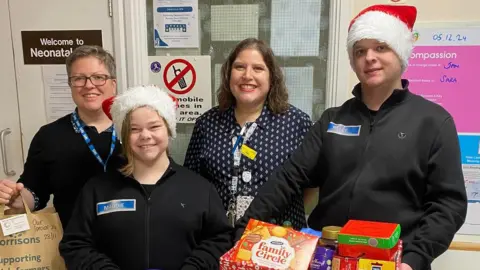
{"points": [[438, 11], [428, 11], [304, 71]]}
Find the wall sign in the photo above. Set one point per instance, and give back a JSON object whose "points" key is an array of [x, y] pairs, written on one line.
{"points": [[53, 47]]}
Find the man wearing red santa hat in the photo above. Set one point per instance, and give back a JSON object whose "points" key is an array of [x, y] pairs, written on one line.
{"points": [[384, 155]]}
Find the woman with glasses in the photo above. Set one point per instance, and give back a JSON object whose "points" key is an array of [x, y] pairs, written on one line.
{"points": [[64, 154]]}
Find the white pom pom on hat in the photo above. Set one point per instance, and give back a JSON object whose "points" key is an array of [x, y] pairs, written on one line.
{"points": [[392, 24], [117, 108]]}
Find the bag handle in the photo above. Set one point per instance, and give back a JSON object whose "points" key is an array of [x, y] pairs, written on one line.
{"points": [[25, 206]]}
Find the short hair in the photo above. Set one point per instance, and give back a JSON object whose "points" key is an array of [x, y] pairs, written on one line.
{"points": [[92, 50], [277, 98]]}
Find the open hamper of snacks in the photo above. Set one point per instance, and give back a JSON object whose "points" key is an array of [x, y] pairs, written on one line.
{"points": [[359, 245]]}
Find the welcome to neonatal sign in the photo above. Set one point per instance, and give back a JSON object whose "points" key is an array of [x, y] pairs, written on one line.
{"points": [[54, 46]]}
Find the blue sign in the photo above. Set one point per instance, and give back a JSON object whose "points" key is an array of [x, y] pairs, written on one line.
{"points": [[155, 67]]}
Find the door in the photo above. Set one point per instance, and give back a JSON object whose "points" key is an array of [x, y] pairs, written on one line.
{"points": [[47, 15], [11, 156]]}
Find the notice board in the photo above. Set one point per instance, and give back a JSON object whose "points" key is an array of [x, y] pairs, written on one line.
{"points": [[443, 68]]}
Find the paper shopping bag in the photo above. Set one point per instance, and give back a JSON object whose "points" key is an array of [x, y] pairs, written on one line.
{"points": [[35, 248]]}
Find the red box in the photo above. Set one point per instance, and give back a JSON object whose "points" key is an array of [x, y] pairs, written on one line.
{"points": [[344, 263], [369, 239], [358, 251], [369, 264], [265, 246]]}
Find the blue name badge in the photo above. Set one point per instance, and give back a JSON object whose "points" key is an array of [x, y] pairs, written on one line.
{"points": [[116, 206], [343, 130]]}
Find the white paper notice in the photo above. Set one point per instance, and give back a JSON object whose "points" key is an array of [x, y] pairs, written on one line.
{"points": [[175, 23], [188, 78], [299, 81], [15, 224], [295, 28], [58, 96], [471, 173], [234, 22]]}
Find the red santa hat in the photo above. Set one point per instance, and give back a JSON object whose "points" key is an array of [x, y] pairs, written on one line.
{"points": [[117, 108], [391, 24]]}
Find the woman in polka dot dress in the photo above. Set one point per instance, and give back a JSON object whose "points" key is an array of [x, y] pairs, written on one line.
{"points": [[239, 143]]}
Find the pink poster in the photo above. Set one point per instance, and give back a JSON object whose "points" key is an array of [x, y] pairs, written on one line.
{"points": [[449, 76], [444, 68]]}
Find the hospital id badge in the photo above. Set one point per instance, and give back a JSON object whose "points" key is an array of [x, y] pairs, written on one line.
{"points": [[243, 202]]}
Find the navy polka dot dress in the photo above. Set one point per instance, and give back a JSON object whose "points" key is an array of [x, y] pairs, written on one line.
{"points": [[275, 138]]}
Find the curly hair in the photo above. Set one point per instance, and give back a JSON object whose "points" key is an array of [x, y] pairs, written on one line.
{"points": [[277, 98]]}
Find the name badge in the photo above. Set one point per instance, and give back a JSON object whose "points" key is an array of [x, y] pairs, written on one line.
{"points": [[248, 152], [15, 224], [116, 206], [343, 130]]}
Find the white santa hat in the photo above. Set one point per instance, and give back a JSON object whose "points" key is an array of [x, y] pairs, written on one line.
{"points": [[391, 24], [117, 108]]}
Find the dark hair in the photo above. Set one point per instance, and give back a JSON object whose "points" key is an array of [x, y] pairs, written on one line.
{"points": [[277, 98]]}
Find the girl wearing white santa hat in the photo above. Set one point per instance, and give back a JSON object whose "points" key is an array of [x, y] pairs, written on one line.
{"points": [[152, 213], [386, 155]]}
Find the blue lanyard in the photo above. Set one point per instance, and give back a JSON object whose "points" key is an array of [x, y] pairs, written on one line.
{"points": [[240, 138], [237, 156], [90, 145]]}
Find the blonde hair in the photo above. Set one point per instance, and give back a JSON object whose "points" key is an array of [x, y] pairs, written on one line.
{"points": [[126, 131]]}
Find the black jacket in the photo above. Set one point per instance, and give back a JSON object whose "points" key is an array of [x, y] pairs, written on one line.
{"points": [[404, 167], [181, 225]]}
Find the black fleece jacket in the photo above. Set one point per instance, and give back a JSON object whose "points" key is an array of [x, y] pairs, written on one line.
{"points": [[401, 164], [116, 224]]}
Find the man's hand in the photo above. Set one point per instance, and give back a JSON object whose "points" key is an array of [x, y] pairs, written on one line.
{"points": [[405, 266]]}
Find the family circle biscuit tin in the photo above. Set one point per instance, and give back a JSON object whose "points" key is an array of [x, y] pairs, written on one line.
{"points": [[274, 252], [267, 246]]}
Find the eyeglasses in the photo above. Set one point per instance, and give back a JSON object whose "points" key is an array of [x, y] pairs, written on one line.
{"points": [[97, 80]]}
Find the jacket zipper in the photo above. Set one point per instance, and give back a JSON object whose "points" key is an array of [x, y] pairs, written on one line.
{"points": [[147, 218], [373, 121], [365, 147], [147, 228]]}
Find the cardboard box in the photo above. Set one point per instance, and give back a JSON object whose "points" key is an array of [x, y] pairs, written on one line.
{"points": [[368, 264], [358, 251], [344, 263], [367, 239], [267, 246]]}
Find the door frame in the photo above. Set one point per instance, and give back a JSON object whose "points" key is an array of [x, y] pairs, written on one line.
{"points": [[338, 64], [14, 156], [130, 42]]}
